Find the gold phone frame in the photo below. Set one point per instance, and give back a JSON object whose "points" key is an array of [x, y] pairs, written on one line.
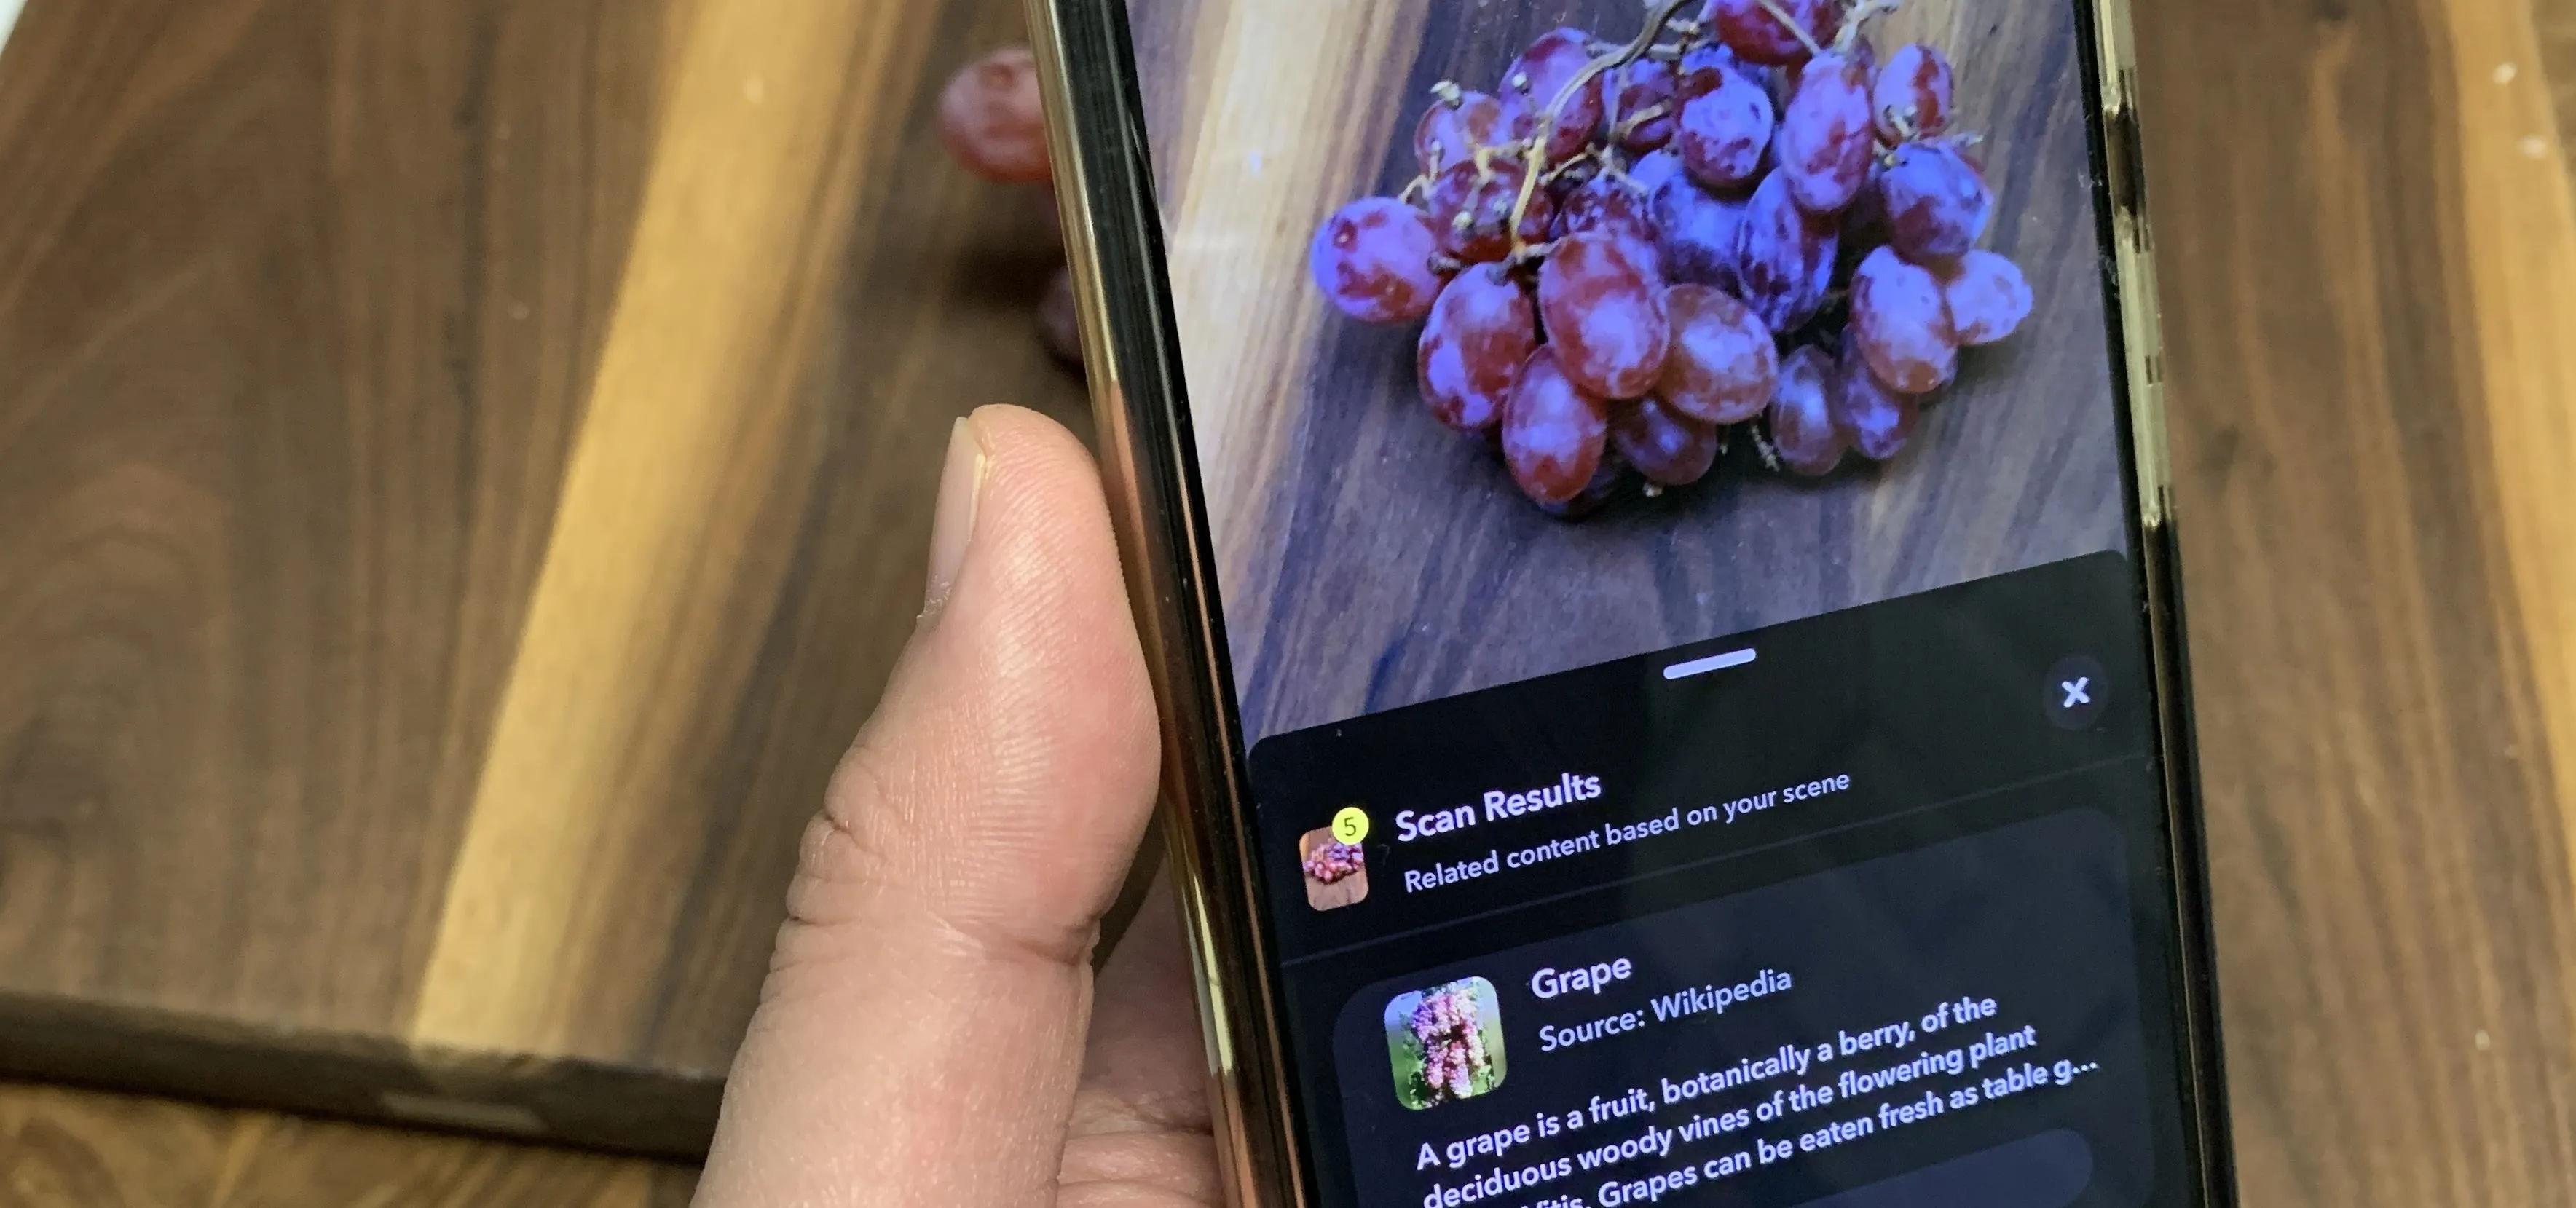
{"points": [[1113, 239]]}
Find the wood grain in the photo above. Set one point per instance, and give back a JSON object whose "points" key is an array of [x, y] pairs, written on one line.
{"points": [[275, 460], [1322, 468], [564, 874], [463, 477], [2366, 305], [304, 312], [71, 1149]]}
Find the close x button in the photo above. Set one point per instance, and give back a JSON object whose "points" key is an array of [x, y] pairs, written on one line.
{"points": [[2075, 692]]}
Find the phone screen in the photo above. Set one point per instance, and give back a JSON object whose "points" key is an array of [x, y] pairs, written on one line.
{"points": [[1668, 477]]}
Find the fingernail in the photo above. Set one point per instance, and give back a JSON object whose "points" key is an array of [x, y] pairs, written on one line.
{"points": [[952, 527]]}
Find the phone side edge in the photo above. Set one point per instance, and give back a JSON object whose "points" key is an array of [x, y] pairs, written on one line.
{"points": [[1112, 234], [2160, 570]]}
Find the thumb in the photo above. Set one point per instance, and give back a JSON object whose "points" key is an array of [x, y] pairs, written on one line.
{"points": [[920, 1032]]}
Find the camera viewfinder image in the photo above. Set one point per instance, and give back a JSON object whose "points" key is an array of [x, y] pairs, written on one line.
{"points": [[1336, 872], [1445, 1042], [1835, 337]]}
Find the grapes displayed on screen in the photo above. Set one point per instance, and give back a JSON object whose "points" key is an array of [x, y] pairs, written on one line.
{"points": [[1738, 222]]}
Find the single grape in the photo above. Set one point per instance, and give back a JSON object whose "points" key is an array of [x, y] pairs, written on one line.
{"points": [[1707, 67], [1651, 171], [1723, 366], [1937, 203], [1553, 431], [1701, 233], [1752, 32], [1642, 87], [1666, 446], [1613, 206], [1878, 422], [1702, 69], [1724, 133], [1802, 417], [1911, 98], [991, 119], [1784, 260], [1456, 125], [1373, 259], [1901, 325], [1059, 321], [1540, 76], [1604, 313], [1987, 296], [1480, 333], [1605, 484], [1826, 135], [1470, 207]]}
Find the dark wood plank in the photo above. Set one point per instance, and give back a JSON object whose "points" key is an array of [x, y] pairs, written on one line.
{"points": [[2554, 23], [300, 301]]}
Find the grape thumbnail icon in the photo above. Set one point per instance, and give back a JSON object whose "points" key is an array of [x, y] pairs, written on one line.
{"points": [[1446, 1043], [1334, 863]]}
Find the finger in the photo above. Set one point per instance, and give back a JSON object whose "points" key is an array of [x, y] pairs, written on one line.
{"points": [[1147, 1060], [919, 1035], [1139, 1133]]}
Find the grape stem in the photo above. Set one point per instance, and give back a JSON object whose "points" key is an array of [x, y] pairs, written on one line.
{"points": [[1557, 172], [1620, 130], [1790, 23], [1761, 429], [1663, 15]]}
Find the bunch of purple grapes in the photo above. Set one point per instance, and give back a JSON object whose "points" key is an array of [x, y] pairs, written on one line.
{"points": [[1450, 1030], [1739, 221], [1333, 860]]}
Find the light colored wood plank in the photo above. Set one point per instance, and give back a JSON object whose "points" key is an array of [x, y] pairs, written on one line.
{"points": [[560, 874], [2519, 259]]}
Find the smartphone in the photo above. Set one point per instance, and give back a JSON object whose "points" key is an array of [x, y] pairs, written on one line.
{"points": [[1651, 527]]}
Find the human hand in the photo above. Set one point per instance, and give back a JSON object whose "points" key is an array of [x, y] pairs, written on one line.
{"points": [[929, 1031]]}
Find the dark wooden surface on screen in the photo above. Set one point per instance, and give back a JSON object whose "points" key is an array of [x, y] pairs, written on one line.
{"points": [[2016, 466], [279, 457]]}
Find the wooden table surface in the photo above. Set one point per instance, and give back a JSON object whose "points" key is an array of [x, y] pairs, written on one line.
{"points": [[358, 365], [463, 478]]}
